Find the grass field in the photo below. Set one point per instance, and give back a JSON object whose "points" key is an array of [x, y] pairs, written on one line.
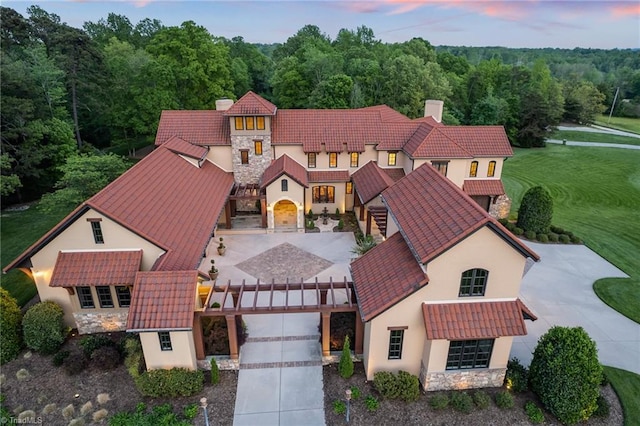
{"points": [[575, 135], [627, 387], [620, 123]]}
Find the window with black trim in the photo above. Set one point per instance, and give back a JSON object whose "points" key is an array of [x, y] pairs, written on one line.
{"points": [[257, 147], [473, 171], [284, 185], [349, 188], [104, 296], [260, 123], [97, 232], [165, 340], [248, 122], [333, 159], [441, 166], [465, 354], [395, 343], [491, 171], [324, 194], [244, 156], [392, 157], [85, 297], [473, 282], [354, 159], [124, 296], [239, 123], [311, 160]]}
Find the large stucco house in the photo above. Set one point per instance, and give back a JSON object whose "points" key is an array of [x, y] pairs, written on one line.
{"points": [[438, 296]]}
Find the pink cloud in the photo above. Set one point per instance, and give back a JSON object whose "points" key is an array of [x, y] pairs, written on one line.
{"points": [[625, 10]]}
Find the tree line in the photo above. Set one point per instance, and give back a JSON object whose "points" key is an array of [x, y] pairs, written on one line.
{"points": [[67, 90]]}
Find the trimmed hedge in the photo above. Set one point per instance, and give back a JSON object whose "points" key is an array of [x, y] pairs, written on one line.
{"points": [[517, 377], [94, 341], [536, 210], [43, 327], [402, 385], [10, 319], [504, 399], [173, 382], [462, 402]]}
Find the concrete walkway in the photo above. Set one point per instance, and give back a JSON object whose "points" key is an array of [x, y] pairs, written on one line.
{"points": [[593, 144], [280, 378], [599, 129], [559, 290]]}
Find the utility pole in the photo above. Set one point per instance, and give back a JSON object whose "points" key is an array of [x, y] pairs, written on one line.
{"points": [[613, 104]]}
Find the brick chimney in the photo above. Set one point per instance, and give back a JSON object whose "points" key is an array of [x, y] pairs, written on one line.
{"points": [[434, 109]]}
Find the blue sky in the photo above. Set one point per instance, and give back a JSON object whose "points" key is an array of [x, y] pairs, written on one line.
{"points": [[511, 23]]}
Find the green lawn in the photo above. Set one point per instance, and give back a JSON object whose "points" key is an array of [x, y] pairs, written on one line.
{"points": [[627, 387], [18, 231], [620, 123], [576, 135], [621, 294]]}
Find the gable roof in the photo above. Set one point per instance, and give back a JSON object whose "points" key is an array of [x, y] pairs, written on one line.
{"points": [[385, 275], [284, 165], [477, 320], [432, 142], [182, 147], [251, 104], [480, 141], [163, 300], [441, 216], [195, 127], [483, 187], [95, 268], [370, 180], [328, 175]]}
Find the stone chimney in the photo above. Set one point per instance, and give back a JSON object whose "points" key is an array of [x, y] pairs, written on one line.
{"points": [[434, 109], [223, 104]]}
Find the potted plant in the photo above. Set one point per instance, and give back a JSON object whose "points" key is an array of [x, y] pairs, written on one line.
{"points": [[213, 272], [221, 247]]}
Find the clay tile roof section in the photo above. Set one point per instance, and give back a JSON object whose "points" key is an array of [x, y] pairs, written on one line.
{"points": [[180, 146], [285, 165], [480, 141], [395, 135], [474, 320], [483, 187], [95, 268], [251, 104], [196, 127], [370, 180], [163, 300], [329, 176], [394, 174], [432, 142], [387, 114], [385, 275]]}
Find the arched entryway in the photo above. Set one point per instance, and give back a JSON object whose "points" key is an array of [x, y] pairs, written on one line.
{"points": [[285, 215]]}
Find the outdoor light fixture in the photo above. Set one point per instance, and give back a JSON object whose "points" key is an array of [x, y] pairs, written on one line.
{"points": [[203, 404], [348, 395]]}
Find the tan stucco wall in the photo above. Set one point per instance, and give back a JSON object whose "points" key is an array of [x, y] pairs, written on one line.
{"points": [[392, 228], [295, 194], [340, 198], [483, 167], [457, 169], [221, 156], [183, 354], [483, 249]]}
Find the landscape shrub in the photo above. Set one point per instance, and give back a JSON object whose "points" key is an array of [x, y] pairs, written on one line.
{"points": [[504, 221], [310, 214], [439, 401], [43, 327], [603, 407], [517, 377], [371, 403], [565, 239], [385, 382], [534, 413], [556, 229], [345, 367], [553, 237], [482, 399], [530, 235], [10, 319], [575, 240], [134, 358], [409, 386], [339, 407], [159, 415], [170, 383], [536, 210], [340, 224], [518, 231], [511, 226], [543, 238], [215, 372], [75, 363], [355, 392], [462, 402], [94, 341], [190, 411], [504, 399], [58, 358], [566, 374], [106, 357]]}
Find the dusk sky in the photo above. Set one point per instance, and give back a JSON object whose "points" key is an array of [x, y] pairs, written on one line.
{"points": [[511, 23]]}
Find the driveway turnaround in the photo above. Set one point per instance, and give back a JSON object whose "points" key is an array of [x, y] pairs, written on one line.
{"points": [[280, 378], [559, 290]]}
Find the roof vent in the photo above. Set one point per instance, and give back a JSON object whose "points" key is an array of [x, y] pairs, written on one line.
{"points": [[433, 109], [223, 104]]}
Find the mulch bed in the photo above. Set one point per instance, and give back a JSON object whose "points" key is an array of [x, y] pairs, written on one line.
{"points": [[397, 412]]}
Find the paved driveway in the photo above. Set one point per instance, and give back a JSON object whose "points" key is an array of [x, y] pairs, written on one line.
{"points": [[559, 290]]}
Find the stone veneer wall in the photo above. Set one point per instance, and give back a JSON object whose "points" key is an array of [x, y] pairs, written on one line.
{"points": [[100, 322], [501, 207], [252, 172], [462, 379]]}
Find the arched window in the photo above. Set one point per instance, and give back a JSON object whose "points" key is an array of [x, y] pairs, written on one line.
{"points": [[492, 169], [473, 282], [473, 171]]}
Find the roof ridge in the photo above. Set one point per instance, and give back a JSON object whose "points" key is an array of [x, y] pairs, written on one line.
{"points": [[439, 130]]}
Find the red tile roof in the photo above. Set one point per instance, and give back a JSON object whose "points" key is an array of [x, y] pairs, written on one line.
{"points": [[395, 135], [475, 320], [483, 187], [93, 268], [480, 141], [387, 114], [163, 300], [385, 275], [432, 142], [370, 180], [395, 174], [251, 104], [196, 127], [180, 146], [284, 165], [433, 214], [329, 176]]}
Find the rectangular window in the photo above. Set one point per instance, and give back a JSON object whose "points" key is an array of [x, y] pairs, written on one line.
{"points": [[104, 296], [349, 188], [97, 232], [244, 156], [124, 296], [333, 159], [258, 147], [260, 123], [440, 166], [165, 340], [392, 158], [284, 185], [324, 194], [473, 171], [239, 123], [395, 344], [85, 298], [248, 123], [354, 159], [311, 160], [465, 354], [492, 169]]}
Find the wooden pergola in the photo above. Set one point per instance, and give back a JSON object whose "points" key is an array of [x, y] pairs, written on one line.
{"points": [[235, 293], [249, 192]]}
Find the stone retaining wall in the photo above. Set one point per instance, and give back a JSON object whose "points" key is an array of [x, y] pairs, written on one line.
{"points": [[100, 322], [501, 207], [462, 379]]}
